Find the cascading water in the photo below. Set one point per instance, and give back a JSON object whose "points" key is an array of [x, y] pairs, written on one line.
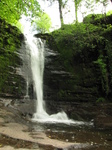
{"points": [[36, 48], [37, 66]]}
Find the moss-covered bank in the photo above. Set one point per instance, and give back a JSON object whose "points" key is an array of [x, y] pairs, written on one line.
{"points": [[85, 51], [10, 42]]}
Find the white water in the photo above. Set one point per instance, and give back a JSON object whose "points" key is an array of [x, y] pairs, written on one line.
{"points": [[36, 47]]}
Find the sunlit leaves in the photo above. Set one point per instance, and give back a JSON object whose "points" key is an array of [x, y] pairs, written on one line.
{"points": [[11, 10], [43, 23]]}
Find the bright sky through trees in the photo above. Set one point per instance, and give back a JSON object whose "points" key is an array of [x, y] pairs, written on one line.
{"points": [[69, 13]]}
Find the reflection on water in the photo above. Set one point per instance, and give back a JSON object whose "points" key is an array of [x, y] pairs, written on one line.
{"points": [[97, 139]]}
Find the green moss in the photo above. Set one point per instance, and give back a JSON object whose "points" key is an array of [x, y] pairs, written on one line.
{"points": [[10, 42], [99, 19], [100, 100]]}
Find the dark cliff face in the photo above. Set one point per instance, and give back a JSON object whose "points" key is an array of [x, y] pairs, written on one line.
{"points": [[11, 82], [82, 69], [62, 85]]}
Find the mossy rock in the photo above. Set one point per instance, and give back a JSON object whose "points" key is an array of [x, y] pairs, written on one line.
{"points": [[10, 42]]}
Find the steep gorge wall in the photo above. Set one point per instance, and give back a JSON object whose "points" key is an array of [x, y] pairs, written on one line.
{"points": [[63, 85], [12, 84]]}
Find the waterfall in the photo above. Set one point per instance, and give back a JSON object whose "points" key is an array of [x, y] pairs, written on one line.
{"points": [[35, 47], [37, 67]]}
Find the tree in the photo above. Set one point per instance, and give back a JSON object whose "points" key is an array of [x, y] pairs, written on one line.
{"points": [[11, 10], [60, 10], [61, 4], [77, 3], [43, 23]]}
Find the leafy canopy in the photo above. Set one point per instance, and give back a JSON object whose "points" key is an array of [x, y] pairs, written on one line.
{"points": [[43, 23], [11, 10]]}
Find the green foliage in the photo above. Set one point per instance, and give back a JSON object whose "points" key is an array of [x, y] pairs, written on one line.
{"points": [[92, 17], [102, 65], [103, 76], [10, 37], [77, 4], [109, 12], [100, 100], [76, 39], [19, 26], [99, 19], [11, 10], [43, 23]]}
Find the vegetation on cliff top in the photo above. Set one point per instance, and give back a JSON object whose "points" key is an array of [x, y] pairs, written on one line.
{"points": [[87, 44]]}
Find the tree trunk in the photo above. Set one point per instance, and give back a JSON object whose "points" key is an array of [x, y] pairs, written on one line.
{"points": [[76, 7], [60, 11]]}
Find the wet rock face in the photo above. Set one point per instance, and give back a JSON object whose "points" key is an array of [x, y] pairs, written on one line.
{"points": [[60, 85], [13, 81], [12, 84], [64, 91]]}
